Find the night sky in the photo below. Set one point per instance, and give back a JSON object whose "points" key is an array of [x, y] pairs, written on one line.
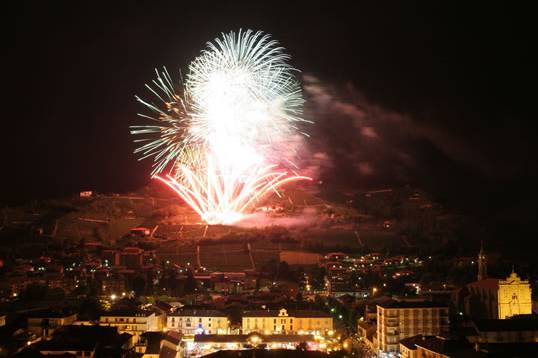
{"points": [[448, 90]]}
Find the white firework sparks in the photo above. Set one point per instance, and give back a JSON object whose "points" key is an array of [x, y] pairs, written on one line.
{"points": [[223, 134]]}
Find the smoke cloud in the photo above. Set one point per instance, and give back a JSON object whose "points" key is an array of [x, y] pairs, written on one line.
{"points": [[357, 142]]}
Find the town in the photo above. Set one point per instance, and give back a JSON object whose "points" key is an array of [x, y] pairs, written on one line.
{"points": [[269, 179], [130, 298]]}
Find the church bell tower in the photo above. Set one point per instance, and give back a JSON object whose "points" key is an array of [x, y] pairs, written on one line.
{"points": [[482, 263]]}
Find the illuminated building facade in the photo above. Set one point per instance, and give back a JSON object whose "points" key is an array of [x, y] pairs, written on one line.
{"points": [[514, 296], [284, 322], [190, 322], [204, 344], [397, 320], [498, 299], [134, 322]]}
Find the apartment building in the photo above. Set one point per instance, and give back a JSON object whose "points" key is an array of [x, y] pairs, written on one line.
{"points": [[397, 320]]}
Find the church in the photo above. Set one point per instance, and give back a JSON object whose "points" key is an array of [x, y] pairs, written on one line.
{"points": [[492, 298]]}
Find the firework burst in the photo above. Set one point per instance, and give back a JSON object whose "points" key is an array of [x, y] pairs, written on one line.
{"points": [[220, 138]]}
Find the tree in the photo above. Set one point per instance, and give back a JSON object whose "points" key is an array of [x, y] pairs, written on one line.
{"points": [[90, 309]]}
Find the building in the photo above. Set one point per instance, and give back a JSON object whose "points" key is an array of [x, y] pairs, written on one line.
{"points": [[480, 299], [134, 322], [2, 320], [84, 341], [482, 264], [519, 329], [43, 324], [514, 297], [492, 298], [206, 344], [437, 347], [171, 345], [284, 322], [397, 320], [367, 332], [502, 350], [231, 282], [408, 348], [192, 321], [149, 344]]}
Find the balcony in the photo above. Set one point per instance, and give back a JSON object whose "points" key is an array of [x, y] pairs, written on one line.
{"points": [[391, 332], [391, 323]]}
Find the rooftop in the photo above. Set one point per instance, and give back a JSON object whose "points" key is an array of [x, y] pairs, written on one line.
{"points": [[528, 323], [51, 314], [520, 349], [128, 313], [411, 304], [173, 337], [197, 313], [167, 352], [291, 313], [410, 342], [153, 339], [444, 345], [488, 284], [84, 338]]}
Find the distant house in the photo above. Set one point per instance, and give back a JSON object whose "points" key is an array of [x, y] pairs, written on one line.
{"points": [[367, 331], [134, 322], [43, 324]]}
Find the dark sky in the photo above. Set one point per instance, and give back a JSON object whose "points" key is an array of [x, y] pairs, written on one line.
{"points": [[461, 74]]}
